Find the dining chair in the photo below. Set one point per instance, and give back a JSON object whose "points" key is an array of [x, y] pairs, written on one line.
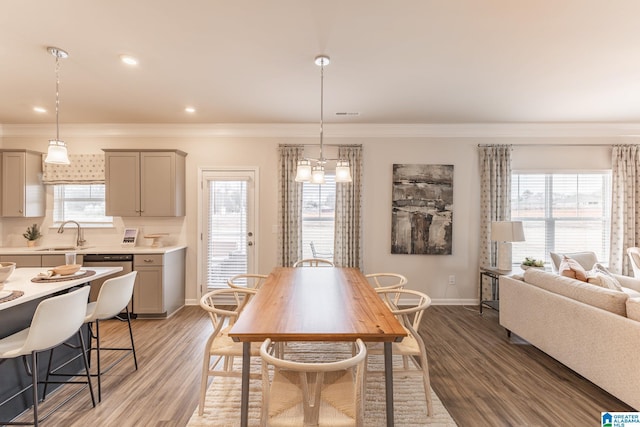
{"points": [[387, 281], [55, 320], [113, 297], [296, 393], [409, 314], [313, 262], [634, 257], [220, 350], [246, 281]]}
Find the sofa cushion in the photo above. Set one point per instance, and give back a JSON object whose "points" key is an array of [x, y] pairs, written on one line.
{"points": [[569, 267], [606, 299], [586, 259], [600, 276], [633, 308]]}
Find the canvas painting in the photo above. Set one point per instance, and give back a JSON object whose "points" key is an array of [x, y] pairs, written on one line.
{"points": [[422, 209]]}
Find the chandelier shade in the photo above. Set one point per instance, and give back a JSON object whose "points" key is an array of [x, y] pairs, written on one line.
{"points": [[305, 171], [57, 151]]}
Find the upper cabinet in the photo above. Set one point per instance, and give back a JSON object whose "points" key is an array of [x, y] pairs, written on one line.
{"points": [[145, 182], [23, 193]]}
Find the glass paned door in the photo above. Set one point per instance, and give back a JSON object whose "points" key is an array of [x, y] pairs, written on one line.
{"points": [[228, 237]]}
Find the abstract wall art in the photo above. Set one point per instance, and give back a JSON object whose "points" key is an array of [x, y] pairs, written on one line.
{"points": [[422, 209]]}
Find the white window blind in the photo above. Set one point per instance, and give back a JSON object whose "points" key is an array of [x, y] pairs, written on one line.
{"points": [[561, 212], [84, 203], [318, 213], [227, 230]]}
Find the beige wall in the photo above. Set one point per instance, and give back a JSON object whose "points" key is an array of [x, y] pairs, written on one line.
{"points": [[426, 273]]}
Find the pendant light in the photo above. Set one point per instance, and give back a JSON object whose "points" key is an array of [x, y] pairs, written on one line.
{"points": [[57, 151], [315, 174]]}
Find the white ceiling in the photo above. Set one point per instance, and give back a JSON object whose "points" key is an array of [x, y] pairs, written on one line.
{"points": [[251, 61]]}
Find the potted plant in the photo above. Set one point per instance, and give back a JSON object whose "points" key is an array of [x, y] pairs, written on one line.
{"points": [[530, 262], [32, 234]]}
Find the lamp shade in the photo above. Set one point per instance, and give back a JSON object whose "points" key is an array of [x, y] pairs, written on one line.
{"points": [[57, 153], [507, 231]]}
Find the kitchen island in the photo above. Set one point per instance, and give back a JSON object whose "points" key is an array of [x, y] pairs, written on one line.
{"points": [[16, 315]]}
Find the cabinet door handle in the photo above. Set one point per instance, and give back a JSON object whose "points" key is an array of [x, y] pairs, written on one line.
{"points": [[148, 260]]}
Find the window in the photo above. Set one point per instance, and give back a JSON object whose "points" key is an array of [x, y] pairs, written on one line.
{"points": [[318, 213], [561, 212], [80, 202]]}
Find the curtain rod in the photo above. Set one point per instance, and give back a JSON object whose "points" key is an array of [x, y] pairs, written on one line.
{"points": [[555, 145]]}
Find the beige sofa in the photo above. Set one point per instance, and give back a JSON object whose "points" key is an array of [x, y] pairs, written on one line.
{"points": [[593, 330]]}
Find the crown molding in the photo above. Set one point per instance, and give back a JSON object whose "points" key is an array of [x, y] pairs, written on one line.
{"points": [[335, 130]]}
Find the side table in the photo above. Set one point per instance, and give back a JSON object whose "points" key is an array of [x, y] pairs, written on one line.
{"points": [[493, 273]]}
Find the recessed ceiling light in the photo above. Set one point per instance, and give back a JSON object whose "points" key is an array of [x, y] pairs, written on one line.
{"points": [[190, 110], [39, 109], [129, 60]]}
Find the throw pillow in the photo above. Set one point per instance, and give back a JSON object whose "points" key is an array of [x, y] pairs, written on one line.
{"points": [[600, 276], [569, 267]]}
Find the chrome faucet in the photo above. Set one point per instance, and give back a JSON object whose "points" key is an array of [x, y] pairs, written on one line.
{"points": [[80, 236]]}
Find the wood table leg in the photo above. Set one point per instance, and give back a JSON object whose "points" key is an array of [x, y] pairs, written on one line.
{"points": [[388, 381], [246, 367]]}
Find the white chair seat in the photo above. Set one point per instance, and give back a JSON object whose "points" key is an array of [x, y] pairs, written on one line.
{"points": [[10, 346]]}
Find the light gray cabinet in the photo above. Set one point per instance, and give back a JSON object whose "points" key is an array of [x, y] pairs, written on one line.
{"points": [[23, 193], [159, 289], [145, 182], [47, 260]]}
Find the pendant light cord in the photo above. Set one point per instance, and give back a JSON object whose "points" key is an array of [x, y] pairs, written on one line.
{"points": [[321, 110], [57, 97]]}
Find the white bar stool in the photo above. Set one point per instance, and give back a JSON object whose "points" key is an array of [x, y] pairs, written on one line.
{"points": [[114, 296], [55, 320]]}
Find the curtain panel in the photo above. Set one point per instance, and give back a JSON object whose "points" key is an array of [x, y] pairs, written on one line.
{"points": [[290, 206], [625, 206], [495, 196], [348, 213], [83, 169]]}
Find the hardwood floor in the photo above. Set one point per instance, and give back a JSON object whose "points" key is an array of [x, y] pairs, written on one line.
{"points": [[485, 379], [482, 378]]}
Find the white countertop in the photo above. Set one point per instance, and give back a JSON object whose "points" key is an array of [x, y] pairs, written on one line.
{"points": [[41, 250], [20, 280]]}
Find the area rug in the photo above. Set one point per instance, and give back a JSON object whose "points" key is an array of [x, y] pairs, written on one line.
{"points": [[222, 406]]}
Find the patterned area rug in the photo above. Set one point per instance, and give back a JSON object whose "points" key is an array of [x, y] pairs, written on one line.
{"points": [[222, 406]]}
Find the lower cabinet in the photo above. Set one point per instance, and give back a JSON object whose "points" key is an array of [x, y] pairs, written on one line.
{"points": [[159, 288], [47, 260]]}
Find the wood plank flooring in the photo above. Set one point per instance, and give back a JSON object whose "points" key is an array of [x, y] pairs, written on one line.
{"points": [[482, 378]]}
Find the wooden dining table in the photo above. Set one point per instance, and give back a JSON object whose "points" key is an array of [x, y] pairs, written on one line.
{"points": [[317, 304]]}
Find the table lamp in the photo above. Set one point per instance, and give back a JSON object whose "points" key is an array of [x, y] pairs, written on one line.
{"points": [[505, 232]]}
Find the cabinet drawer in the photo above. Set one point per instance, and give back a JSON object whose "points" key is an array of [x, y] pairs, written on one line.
{"points": [[23, 260], [147, 260]]}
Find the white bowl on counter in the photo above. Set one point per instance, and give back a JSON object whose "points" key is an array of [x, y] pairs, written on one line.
{"points": [[6, 269]]}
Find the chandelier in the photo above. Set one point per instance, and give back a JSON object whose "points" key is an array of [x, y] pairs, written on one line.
{"points": [[57, 151], [306, 172]]}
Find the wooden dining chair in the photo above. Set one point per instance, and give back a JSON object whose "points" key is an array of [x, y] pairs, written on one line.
{"points": [[246, 281], [409, 314], [314, 262], [387, 281], [298, 393], [220, 350]]}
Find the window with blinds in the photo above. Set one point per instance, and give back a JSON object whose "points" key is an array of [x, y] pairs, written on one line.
{"points": [[561, 212], [226, 230], [84, 203], [318, 213]]}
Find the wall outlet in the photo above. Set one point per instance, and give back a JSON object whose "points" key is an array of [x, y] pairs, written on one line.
{"points": [[452, 279]]}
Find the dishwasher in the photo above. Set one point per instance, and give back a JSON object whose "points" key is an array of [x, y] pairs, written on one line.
{"points": [[108, 260]]}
